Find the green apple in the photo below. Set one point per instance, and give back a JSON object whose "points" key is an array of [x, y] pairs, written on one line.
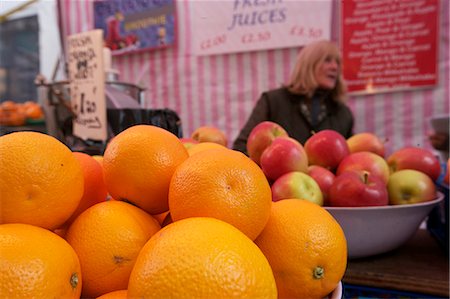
{"points": [[410, 186], [297, 184]]}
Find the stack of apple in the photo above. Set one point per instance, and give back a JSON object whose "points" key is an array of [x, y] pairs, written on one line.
{"points": [[333, 171]]}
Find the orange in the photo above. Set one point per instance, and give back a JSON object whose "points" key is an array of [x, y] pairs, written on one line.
{"points": [[94, 186], [41, 182], [160, 217], [107, 238], [223, 184], [306, 248], [36, 263], [201, 257], [138, 164], [200, 147], [122, 294], [209, 134], [33, 110]]}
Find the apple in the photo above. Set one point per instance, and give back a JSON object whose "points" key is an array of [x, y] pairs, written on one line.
{"points": [[324, 178], [415, 158], [283, 155], [409, 186], [326, 148], [447, 172], [358, 189], [297, 185], [209, 134], [365, 161], [366, 142], [261, 137]]}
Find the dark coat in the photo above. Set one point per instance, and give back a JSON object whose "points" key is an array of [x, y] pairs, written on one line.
{"points": [[283, 107]]}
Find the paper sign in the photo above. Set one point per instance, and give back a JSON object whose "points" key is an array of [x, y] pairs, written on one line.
{"points": [[87, 85], [227, 26], [389, 45]]}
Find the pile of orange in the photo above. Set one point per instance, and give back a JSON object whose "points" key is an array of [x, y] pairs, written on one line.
{"points": [[221, 236], [16, 114]]}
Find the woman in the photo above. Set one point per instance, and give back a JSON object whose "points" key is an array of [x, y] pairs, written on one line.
{"points": [[313, 99]]}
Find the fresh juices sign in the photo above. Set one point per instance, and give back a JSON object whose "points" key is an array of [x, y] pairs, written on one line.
{"points": [[228, 26]]}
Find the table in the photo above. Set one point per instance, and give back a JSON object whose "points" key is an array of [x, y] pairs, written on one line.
{"points": [[420, 267]]}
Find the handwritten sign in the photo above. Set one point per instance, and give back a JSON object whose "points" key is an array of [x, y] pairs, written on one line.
{"points": [[131, 25], [389, 45], [87, 84], [248, 25]]}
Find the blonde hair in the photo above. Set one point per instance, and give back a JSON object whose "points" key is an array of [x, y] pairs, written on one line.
{"points": [[303, 79]]}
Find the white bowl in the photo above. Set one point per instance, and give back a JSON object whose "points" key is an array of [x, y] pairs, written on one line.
{"points": [[375, 230]]}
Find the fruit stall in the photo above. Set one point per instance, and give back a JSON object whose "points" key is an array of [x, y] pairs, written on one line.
{"points": [[120, 179]]}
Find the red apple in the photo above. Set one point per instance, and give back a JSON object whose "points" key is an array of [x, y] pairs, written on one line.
{"points": [[447, 172], [415, 158], [297, 185], [356, 189], [326, 148], [261, 137], [409, 186], [209, 134], [365, 161], [366, 142], [324, 178], [283, 155]]}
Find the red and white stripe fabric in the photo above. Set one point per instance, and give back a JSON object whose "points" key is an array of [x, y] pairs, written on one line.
{"points": [[221, 90]]}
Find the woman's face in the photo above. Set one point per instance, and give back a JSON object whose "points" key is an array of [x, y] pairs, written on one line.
{"points": [[327, 72]]}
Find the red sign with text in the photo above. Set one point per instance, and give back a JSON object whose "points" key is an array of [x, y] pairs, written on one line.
{"points": [[389, 44]]}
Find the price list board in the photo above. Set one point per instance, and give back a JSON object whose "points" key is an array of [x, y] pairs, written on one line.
{"points": [[87, 85], [389, 45]]}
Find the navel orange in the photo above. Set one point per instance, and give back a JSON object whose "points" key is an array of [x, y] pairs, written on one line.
{"points": [[36, 263], [94, 186], [305, 247], [201, 258], [223, 184], [107, 238], [138, 164], [41, 182], [203, 146], [209, 134], [122, 294]]}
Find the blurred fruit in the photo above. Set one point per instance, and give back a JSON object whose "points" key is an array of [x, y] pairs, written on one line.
{"points": [[188, 142], [209, 134], [36, 263], [410, 186], [366, 142], [107, 238], [41, 182], [358, 189], [415, 158], [122, 294], [99, 159], [94, 186], [297, 185], [447, 170], [33, 110], [138, 164], [305, 247], [223, 184], [201, 258], [324, 178], [326, 148], [365, 162], [261, 137], [283, 155], [203, 146]]}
